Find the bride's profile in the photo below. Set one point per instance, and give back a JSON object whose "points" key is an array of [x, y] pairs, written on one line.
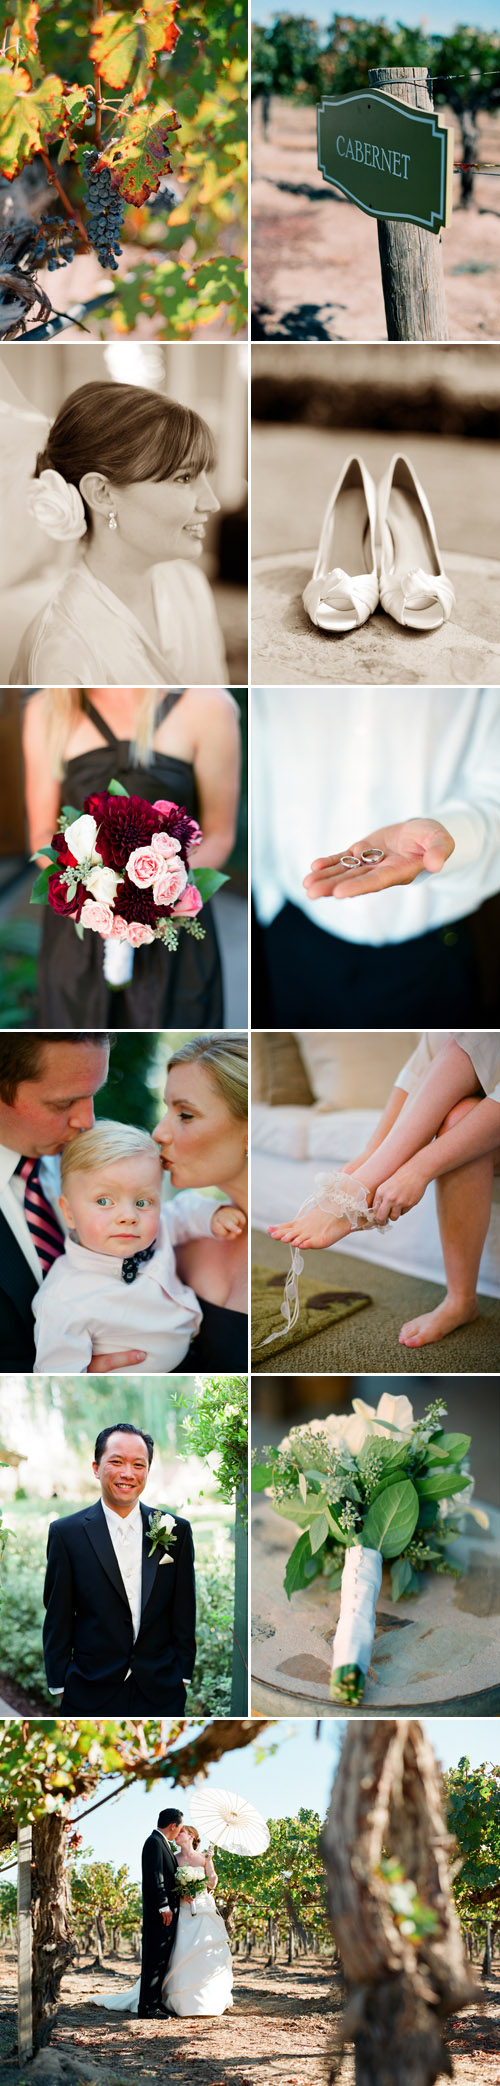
{"points": [[199, 1977], [122, 479]]}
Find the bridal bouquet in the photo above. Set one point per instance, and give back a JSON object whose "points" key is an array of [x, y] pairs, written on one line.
{"points": [[366, 1487], [121, 868], [189, 1883]]}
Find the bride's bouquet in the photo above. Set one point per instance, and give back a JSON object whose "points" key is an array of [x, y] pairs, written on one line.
{"points": [[121, 868], [365, 1487], [189, 1883]]}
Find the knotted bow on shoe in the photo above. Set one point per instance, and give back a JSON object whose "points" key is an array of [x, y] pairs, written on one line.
{"points": [[355, 598], [420, 593]]}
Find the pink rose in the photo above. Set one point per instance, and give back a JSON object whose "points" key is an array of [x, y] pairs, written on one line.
{"points": [[119, 929], [97, 915], [165, 844], [165, 805], [169, 882], [191, 901], [143, 865], [137, 933], [196, 836]]}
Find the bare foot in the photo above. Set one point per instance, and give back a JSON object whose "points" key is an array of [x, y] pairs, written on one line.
{"points": [[313, 1229], [433, 1325]]}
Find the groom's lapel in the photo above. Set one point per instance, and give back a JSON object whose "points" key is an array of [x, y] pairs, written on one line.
{"points": [[96, 1528], [150, 1559]]}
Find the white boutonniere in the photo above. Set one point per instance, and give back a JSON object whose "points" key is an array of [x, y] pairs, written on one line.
{"points": [[161, 1532]]}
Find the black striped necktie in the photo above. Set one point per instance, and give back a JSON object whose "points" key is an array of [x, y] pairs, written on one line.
{"points": [[45, 1230]]}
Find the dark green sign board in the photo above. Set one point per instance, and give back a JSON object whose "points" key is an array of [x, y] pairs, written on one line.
{"points": [[392, 160]]}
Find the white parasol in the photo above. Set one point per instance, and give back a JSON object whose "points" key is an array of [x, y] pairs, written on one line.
{"points": [[229, 1821]]}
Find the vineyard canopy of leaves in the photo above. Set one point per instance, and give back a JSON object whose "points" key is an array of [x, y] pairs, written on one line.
{"points": [[154, 90]]}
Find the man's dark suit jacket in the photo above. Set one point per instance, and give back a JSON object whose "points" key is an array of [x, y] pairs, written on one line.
{"points": [[159, 1864], [18, 1286], [88, 1632]]}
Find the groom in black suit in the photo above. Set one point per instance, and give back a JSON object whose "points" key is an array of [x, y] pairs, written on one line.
{"points": [[120, 1617], [160, 1910]]}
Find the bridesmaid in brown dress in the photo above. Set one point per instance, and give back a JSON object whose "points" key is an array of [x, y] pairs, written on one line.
{"points": [[193, 759]]}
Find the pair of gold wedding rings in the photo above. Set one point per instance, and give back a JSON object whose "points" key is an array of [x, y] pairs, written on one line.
{"points": [[368, 858]]}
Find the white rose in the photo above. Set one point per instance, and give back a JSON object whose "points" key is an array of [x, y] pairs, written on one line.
{"points": [[81, 837], [392, 1412], [168, 1522], [103, 883], [57, 507]]}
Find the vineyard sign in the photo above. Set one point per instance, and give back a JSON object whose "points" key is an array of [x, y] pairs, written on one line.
{"points": [[392, 160]]}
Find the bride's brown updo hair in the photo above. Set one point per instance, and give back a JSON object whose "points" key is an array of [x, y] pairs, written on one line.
{"points": [[128, 433]]}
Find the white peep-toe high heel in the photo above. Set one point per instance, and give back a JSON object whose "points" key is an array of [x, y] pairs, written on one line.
{"points": [[414, 590], [343, 591]]}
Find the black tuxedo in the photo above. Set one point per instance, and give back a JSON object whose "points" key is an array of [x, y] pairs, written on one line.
{"points": [[88, 1632], [18, 1286], [159, 1864]]}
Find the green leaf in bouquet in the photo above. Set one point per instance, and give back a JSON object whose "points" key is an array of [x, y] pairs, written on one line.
{"points": [[50, 851], [67, 815], [116, 789], [428, 1513], [390, 1477], [318, 1532], [401, 1577], [391, 1519], [262, 1476], [450, 1448], [39, 894], [79, 930], [391, 1455], [297, 1575], [442, 1484], [302, 1487], [207, 881]]}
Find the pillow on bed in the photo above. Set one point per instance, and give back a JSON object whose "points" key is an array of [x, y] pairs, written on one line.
{"points": [[351, 1068], [278, 1075]]}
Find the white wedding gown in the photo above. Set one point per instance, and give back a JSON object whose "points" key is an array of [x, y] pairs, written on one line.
{"points": [[200, 1975]]}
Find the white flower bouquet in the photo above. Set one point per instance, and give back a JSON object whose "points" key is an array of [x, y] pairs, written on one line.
{"points": [[366, 1487], [189, 1883]]}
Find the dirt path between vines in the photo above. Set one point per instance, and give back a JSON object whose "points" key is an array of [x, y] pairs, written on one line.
{"points": [[278, 2034]]}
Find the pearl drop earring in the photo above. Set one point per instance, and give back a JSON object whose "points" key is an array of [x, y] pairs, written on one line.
{"points": [[112, 521]]}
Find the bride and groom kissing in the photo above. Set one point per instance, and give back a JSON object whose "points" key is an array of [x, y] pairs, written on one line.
{"points": [[186, 1958]]}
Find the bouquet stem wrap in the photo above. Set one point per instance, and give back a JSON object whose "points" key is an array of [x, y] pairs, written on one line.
{"points": [[353, 1641], [118, 962]]}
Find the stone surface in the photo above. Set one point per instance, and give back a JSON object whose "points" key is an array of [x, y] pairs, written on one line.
{"points": [[288, 649], [442, 1644]]}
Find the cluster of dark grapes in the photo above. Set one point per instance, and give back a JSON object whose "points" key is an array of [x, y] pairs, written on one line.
{"points": [[54, 241], [104, 211]]}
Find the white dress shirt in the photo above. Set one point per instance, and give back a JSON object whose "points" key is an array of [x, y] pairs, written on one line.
{"points": [[127, 1538], [12, 1192], [83, 1307], [331, 765]]}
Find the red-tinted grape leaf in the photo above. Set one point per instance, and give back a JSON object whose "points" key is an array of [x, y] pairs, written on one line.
{"points": [[28, 117], [125, 46], [140, 157]]}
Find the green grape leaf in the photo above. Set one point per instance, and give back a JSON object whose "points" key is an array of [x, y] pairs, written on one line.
{"points": [[125, 46], [442, 1484], [29, 116], [139, 156], [391, 1519]]}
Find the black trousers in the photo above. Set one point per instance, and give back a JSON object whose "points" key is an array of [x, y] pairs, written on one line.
{"points": [[305, 978], [157, 1945]]}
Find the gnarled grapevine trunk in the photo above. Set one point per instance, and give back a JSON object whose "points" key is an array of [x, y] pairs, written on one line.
{"points": [[53, 1942], [386, 1800]]}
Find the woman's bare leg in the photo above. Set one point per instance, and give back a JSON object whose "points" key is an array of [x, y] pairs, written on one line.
{"points": [[448, 1080], [464, 1207]]}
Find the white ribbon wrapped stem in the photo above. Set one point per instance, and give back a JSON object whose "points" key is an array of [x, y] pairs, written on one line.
{"points": [[341, 1195], [361, 1583], [118, 961]]}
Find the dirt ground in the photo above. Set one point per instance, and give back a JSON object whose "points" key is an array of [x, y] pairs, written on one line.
{"points": [[315, 262], [279, 2033]]}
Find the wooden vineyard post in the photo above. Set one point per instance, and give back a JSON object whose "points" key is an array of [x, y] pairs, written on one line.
{"points": [[239, 1676], [411, 258], [24, 1944]]}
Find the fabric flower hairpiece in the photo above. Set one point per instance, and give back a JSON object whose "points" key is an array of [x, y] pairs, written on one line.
{"points": [[367, 1487], [57, 507]]}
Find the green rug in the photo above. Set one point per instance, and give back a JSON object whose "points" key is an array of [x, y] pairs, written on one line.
{"points": [[320, 1307]]}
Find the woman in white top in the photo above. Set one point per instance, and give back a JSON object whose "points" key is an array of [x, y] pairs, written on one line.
{"points": [[125, 469], [441, 1123]]}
